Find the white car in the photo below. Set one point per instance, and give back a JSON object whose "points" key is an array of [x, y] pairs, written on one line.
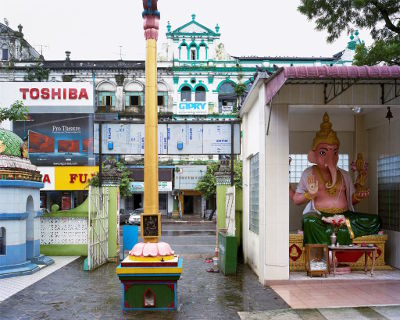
{"points": [[134, 218]]}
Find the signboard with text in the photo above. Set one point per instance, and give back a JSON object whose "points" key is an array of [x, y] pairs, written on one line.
{"points": [[46, 96], [193, 108], [74, 178], [186, 177], [48, 177], [138, 186]]}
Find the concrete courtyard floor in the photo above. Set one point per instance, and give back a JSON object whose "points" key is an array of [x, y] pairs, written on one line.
{"points": [[65, 291], [70, 293]]}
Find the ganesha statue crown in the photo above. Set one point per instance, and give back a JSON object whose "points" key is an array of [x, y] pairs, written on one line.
{"points": [[325, 134]]}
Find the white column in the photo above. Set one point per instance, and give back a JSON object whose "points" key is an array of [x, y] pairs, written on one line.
{"points": [[276, 200]]}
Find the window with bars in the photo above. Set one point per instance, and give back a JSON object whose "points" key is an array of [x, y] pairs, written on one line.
{"points": [[299, 163], [389, 192], [4, 55], [2, 241], [254, 195]]}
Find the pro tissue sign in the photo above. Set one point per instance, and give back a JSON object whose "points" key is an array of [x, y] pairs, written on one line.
{"points": [[192, 108]]}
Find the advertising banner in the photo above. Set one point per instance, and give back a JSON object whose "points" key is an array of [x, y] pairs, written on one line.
{"points": [[185, 138], [74, 178], [192, 108], [49, 97], [127, 138], [138, 186], [217, 139], [55, 140], [173, 138]]}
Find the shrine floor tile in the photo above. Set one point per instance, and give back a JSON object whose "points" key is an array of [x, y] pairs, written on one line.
{"points": [[355, 275], [12, 285], [367, 313], [343, 294]]}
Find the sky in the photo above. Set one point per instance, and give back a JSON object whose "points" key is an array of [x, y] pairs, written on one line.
{"points": [[109, 30]]}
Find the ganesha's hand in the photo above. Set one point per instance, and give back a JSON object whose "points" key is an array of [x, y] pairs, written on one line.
{"points": [[312, 185], [360, 195]]}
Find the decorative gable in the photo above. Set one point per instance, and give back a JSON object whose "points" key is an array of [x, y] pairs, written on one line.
{"points": [[193, 28]]}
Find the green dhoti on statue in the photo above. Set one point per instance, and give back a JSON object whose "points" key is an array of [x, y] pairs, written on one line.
{"points": [[357, 225]]}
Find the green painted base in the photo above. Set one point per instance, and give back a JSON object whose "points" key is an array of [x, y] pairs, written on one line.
{"points": [[64, 249], [149, 288], [149, 295]]}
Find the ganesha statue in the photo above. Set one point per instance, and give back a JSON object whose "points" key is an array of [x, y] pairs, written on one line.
{"points": [[329, 190]]}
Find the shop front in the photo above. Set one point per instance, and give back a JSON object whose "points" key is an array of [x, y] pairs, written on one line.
{"points": [[188, 199], [164, 196]]}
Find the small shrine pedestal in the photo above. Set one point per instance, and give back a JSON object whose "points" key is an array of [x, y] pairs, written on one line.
{"points": [[149, 276]]}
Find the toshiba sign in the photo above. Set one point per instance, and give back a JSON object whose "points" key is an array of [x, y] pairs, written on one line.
{"points": [[58, 96]]}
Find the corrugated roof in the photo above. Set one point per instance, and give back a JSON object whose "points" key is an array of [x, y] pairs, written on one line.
{"points": [[341, 72]]}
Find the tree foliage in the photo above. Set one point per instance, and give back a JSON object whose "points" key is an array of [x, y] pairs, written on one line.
{"points": [[382, 17], [17, 111], [207, 184], [125, 180]]}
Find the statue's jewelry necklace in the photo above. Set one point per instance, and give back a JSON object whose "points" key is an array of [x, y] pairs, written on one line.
{"points": [[331, 191]]}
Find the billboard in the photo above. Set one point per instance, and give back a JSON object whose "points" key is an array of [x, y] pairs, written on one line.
{"points": [[185, 138], [213, 138], [55, 140], [173, 138], [127, 138], [49, 97]]}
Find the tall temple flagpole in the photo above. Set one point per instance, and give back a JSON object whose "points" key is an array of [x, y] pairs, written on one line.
{"points": [[151, 19], [151, 271]]}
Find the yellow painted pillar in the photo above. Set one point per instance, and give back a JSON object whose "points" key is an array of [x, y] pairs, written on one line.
{"points": [[150, 224], [151, 122]]}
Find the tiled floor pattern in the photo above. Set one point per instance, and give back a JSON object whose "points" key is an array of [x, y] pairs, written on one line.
{"points": [[350, 293], [376, 313], [10, 286], [393, 274]]}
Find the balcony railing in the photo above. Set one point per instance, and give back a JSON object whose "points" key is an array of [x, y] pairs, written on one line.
{"points": [[105, 108], [134, 110]]}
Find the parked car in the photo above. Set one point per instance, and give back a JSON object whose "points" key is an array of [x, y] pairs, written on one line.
{"points": [[124, 216], [134, 217]]}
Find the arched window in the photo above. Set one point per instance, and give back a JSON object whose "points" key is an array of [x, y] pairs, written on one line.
{"points": [[186, 94], [202, 51], [183, 51], [4, 53], [193, 54], [134, 95], [226, 97], [200, 94], [105, 97], [2, 241]]}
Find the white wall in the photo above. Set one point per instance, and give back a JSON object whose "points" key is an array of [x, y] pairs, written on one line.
{"points": [[382, 142], [250, 146], [276, 233]]}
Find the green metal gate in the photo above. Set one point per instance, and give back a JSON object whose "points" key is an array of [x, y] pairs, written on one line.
{"points": [[97, 227]]}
